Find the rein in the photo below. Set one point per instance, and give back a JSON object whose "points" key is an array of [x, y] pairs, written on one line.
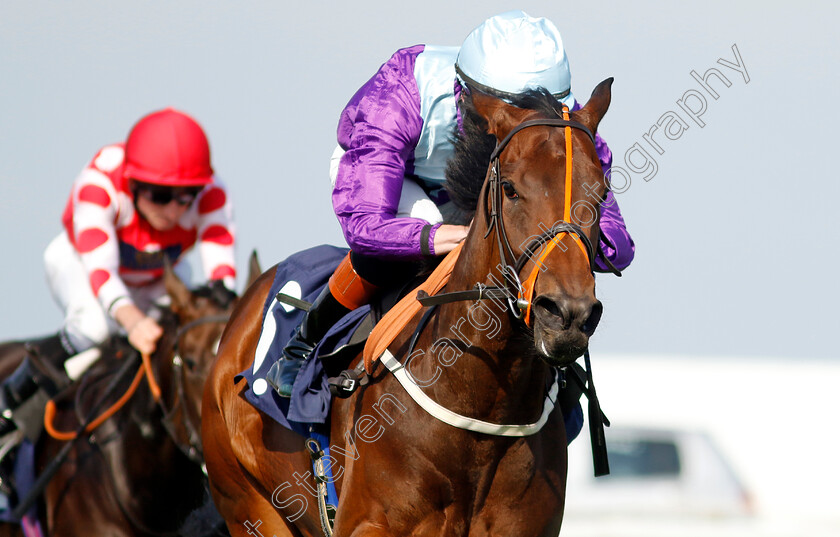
{"points": [[193, 451], [91, 421]]}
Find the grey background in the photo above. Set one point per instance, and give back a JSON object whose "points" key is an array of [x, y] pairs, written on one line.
{"points": [[735, 234]]}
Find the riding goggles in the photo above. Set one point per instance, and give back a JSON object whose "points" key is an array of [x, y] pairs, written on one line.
{"points": [[160, 195]]}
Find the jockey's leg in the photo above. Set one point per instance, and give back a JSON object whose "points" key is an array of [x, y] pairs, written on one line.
{"points": [[345, 292], [384, 273]]}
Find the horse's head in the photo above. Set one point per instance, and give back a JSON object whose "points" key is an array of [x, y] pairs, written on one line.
{"points": [[542, 199], [200, 316]]}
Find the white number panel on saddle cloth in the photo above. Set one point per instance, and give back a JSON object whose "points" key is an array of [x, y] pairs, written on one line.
{"points": [[301, 276]]}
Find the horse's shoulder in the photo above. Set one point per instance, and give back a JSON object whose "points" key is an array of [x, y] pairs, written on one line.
{"points": [[239, 340]]}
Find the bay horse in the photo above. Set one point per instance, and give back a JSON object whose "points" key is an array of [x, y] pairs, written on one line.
{"points": [[398, 469], [140, 473]]}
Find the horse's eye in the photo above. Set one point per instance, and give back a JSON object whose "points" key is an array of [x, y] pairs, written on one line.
{"points": [[510, 192]]}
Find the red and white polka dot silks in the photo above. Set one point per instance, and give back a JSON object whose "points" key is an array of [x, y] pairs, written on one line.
{"points": [[120, 250]]}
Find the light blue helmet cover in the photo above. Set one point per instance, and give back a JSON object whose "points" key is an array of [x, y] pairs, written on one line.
{"points": [[513, 52]]}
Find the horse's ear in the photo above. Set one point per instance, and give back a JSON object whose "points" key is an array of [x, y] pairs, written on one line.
{"points": [[254, 269], [178, 292], [500, 116], [594, 110]]}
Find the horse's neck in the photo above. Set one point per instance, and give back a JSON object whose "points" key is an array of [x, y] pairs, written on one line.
{"points": [[482, 358]]}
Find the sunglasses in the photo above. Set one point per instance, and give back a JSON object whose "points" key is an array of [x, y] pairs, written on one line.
{"points": [[164, 195]]}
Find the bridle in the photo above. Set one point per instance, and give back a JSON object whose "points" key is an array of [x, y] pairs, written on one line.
{"points": [[521, 306], [193, 449], [518, 294]]}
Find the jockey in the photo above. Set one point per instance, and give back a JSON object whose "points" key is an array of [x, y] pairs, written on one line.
{"points": [[134, 206], [395, 137]]}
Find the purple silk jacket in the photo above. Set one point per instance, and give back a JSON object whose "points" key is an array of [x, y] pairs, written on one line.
{"points": [[386, 137]]}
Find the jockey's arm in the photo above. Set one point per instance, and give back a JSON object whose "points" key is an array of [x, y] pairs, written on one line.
{"points": [[616, 242], [379, 130], [216, 234], [95, 234]]}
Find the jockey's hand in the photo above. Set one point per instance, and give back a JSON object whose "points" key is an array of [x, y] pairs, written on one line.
{"points": [[143, 332], [144, 335], [447, 237]]}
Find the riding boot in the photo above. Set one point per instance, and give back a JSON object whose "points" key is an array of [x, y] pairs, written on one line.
{"points": [[345, 292], [41, 368]]}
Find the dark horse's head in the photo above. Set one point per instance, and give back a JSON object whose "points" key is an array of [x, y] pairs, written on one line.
{"points": [[193, 326], [534, 200]]}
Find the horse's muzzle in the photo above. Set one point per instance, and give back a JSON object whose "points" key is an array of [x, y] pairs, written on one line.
{"points": [[562, 327]]}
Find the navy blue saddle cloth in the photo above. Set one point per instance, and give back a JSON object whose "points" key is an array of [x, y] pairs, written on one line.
{"points": [[303, 276]]}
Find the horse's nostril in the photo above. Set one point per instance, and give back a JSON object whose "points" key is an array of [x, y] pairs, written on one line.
{"points": [[564, 313], [552, 310], [594, 318], [550, 306]]}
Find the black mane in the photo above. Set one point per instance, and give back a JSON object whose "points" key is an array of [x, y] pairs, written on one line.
{"points": [[467, 169]]}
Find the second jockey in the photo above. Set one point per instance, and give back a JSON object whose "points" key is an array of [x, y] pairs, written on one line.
{"points": [[135, 206]]}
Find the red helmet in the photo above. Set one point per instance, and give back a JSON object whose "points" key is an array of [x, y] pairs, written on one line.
{"points": [[168, 148]]}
